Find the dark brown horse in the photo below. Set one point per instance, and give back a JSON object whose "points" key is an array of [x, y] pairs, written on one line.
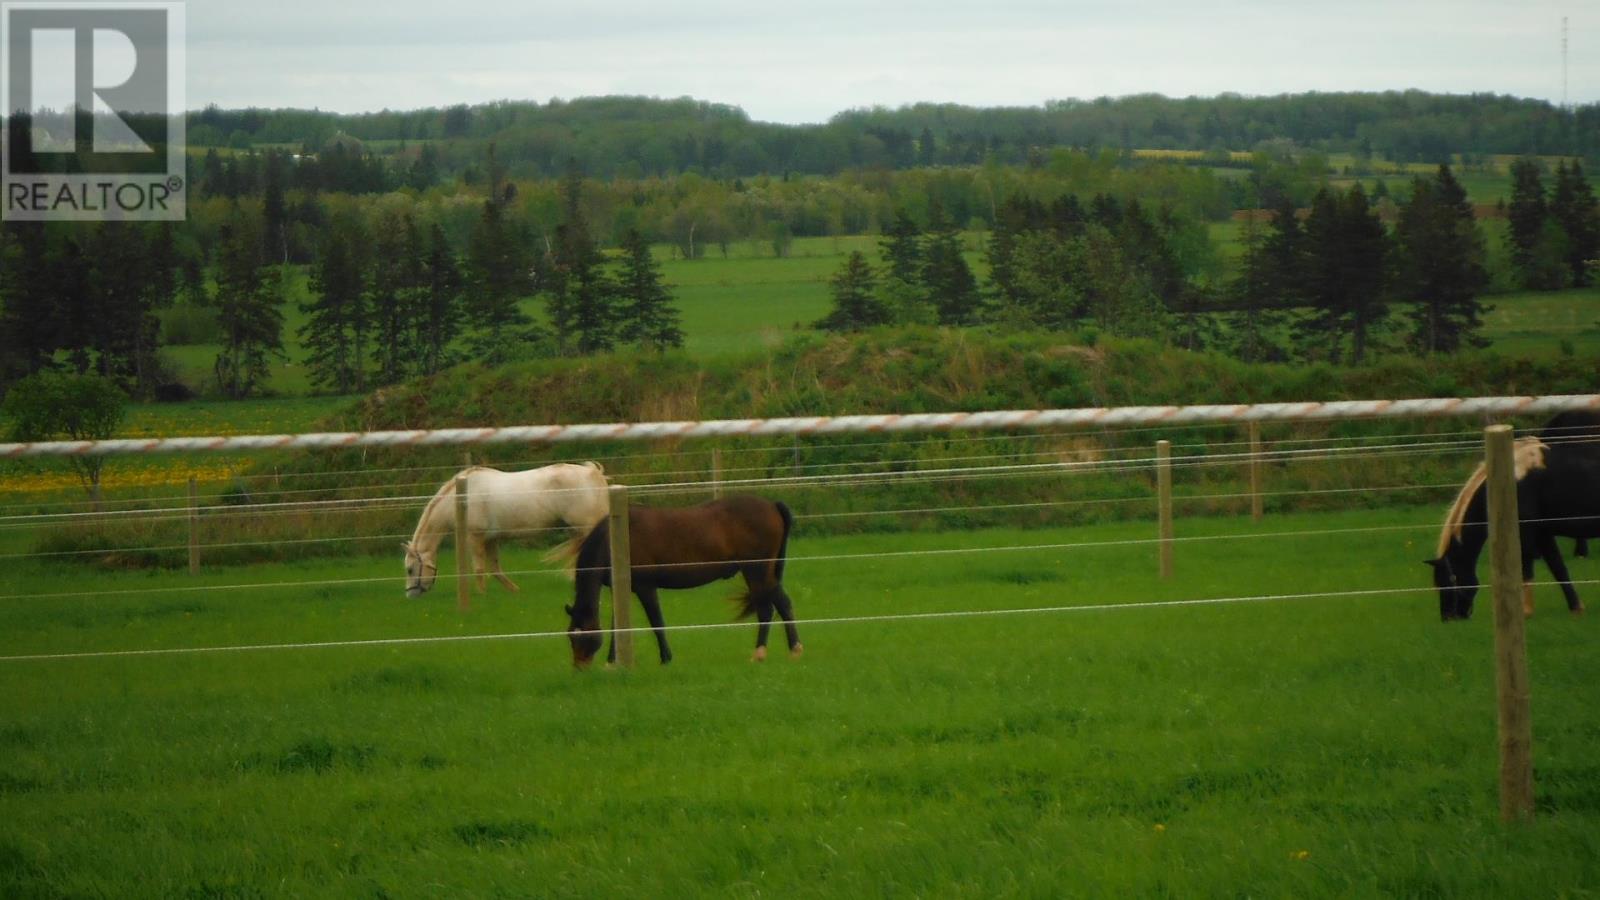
{"points": [[1558, 495], [685, 548]]}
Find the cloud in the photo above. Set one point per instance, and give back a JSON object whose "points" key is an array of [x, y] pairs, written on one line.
{"points": [[793, 66]]}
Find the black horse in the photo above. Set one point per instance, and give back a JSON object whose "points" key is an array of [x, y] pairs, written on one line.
{"points": [[1558, 495], [685, 548]]}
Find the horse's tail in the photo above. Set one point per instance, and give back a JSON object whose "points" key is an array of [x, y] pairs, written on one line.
{"points": [[783, 544], [565, 554], [745, 604], [590, 552]]}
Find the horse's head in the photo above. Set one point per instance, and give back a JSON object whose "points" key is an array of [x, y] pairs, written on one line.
{"points": [[583, 630], [421, 570], [1458, 586]]}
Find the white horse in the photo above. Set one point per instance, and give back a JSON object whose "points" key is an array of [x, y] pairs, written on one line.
{"points": [[502, 505]]}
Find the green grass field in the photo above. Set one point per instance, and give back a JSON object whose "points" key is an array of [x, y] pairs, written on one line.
{"points": [[1321, 746]]}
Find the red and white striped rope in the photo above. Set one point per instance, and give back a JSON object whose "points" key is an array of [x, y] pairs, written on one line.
{"points": [[915, 422]]}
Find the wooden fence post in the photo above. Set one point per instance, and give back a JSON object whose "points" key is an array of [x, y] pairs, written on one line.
{"points": [[1510, 650], [1255, 471], [716, 473], [1164, 501], [621, 577], [194, 527], [463, 550]]}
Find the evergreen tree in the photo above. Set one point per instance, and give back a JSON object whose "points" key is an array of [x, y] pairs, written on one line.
{"points": [[424, 172], [337, 322], [70, 288], [1347, 246], [1573, 207], [1284, 258], [393, 294], [946, 276], [855, 302], [901, 249], [440, 320], [1011, 222], [248, 300], [582, 299], [31, 323], [497, 277], [123, 291], [1440, 264], [274, 208], [1257, 315], [648, 317], [1526, 214]]}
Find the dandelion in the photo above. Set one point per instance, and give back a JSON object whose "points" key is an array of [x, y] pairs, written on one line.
{"points": [[1160, 828], [1300, 855]]}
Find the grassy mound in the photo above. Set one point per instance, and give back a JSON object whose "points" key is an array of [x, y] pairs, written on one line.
{"points": [[903, 371]]}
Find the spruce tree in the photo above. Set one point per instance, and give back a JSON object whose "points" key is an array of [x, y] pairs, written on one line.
{"points": [[1573, 207], [901, 249], [648, 317], [497, 277], [440, 320], [248, 300], [392, 292], [1257, 314], [337, 316], [946, 276], [1284, 258], [1011, 223], [1526, 216], [1347, 247], [582, 301], [855, 301], [1439, 264], [31, 324]]}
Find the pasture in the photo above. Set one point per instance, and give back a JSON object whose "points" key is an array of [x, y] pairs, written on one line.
{"points": [[1309, 746]]}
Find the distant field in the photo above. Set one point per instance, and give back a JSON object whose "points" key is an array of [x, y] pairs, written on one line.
{"points": [[1538, 323], [1310, 747]]}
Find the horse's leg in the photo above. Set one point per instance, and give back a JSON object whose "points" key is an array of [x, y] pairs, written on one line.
{"points": [[479, 564], [1529, 548], [1580, 547], [652, 610], [611, 633], [761, 596], [494, 564], [1558, 568], [780, 599]]}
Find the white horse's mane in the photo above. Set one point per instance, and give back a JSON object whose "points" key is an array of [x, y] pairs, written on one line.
{"points": [[1527, 454], [426, 527]]}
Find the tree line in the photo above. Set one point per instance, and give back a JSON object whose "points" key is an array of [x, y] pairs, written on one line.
{"points": [[1332, 283], [640, 137], [391, 297]]}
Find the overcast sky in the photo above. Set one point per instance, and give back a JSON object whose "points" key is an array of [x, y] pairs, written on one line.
{"points": [[804, 62]]}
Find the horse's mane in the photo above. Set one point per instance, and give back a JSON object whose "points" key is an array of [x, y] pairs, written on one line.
{"points": [[449, 487], [1527, 454]]}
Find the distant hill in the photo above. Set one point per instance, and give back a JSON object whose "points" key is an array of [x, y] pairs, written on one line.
{"points": [[648, 136]]}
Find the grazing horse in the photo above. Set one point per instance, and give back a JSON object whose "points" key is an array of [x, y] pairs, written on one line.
{"points": [[1558, 495], [685, 548], [503, 505]]}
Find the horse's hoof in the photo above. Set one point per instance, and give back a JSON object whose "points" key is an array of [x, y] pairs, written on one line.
{"points": [[796, 651], [1578, 610], [760, 655]]}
